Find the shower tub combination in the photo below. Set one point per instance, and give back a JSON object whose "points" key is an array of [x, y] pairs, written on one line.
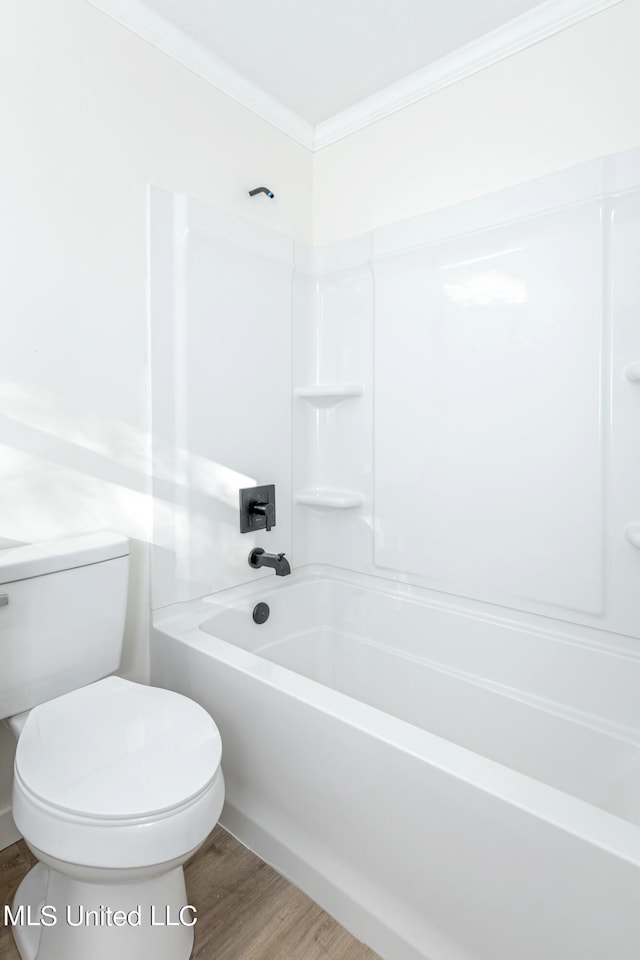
{"points": [[450, 785]]}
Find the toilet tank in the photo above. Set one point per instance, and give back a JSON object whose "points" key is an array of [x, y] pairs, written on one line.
{"points": [[62, 610]]}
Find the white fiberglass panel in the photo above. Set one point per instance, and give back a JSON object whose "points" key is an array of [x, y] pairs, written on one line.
{"points": [[221, 364], [235, 398], [488, 424]]}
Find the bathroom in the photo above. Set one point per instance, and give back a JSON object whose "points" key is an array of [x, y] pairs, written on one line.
{"points": [[426, 342]]}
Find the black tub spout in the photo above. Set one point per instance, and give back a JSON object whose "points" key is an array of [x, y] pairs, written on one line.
{"points": [[258, 558]]}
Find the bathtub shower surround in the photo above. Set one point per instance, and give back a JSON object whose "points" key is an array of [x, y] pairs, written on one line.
{"points": [[436, 732], [490, 451]]}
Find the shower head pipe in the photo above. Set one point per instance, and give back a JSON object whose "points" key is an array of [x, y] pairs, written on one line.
{"points": [[269, 193]]}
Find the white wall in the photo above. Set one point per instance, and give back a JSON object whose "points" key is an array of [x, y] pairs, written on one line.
{"points": [[90, 114], [568, 99]]}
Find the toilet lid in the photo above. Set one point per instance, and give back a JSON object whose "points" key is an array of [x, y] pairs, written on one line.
{"points": [[118, 749]]}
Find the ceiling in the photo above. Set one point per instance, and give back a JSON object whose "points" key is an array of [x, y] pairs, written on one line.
{"points": [[319, 57], [322, 69]]}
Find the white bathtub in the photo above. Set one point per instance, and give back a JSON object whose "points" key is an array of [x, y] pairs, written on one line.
{"points": [[449, 785]]}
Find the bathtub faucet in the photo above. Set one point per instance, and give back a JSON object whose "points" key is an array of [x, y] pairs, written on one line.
{"points": [[258, 558]]}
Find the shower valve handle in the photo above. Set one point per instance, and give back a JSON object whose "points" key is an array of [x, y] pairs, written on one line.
{"points": [[266, 510]]}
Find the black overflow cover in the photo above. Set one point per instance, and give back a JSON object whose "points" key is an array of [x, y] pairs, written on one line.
{"points": [[261, 613]]}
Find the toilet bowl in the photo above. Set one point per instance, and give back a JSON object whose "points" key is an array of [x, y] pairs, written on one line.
{"points": [[116, 783]]}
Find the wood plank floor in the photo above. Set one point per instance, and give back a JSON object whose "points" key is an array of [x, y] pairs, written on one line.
{"points": [[15, 861], [246, 911]]}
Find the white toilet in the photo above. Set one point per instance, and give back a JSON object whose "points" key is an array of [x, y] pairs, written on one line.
{"points": [[116, 783]]}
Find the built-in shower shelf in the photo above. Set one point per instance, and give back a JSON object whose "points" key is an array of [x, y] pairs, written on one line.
{"points": [[327, 395], [632, 531], [329, 499]]}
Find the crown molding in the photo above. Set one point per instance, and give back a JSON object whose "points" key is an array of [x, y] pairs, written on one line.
{"points": [[524, 31], [157, 30]]}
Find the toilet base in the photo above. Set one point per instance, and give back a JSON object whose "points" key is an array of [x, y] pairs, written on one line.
{"points": [[69, 919]]}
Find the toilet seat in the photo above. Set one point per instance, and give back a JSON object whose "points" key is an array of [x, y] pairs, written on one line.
{"points": [[118, 774], [117, 749]]}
